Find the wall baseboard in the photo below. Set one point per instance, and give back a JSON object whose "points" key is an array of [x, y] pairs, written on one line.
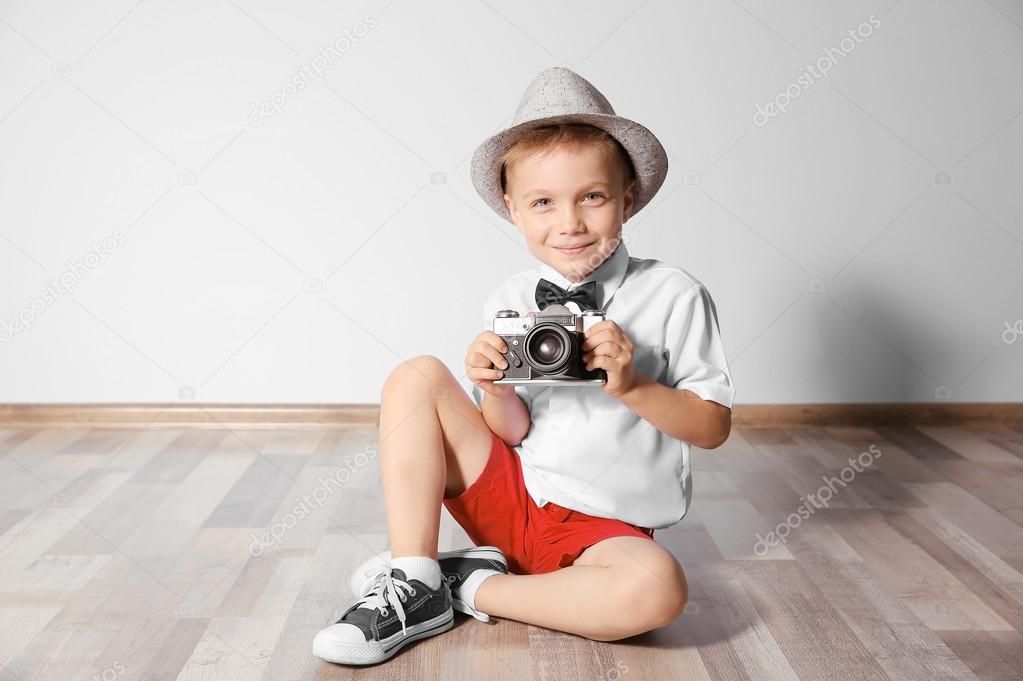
{"points": [[879, 414], [293, 416], [178, 415]]}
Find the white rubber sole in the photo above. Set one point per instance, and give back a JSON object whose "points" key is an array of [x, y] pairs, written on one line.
{"points": [[373, 652], [365, 574]]}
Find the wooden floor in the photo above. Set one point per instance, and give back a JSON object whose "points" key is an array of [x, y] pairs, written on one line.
{"points": [[144, 554]]}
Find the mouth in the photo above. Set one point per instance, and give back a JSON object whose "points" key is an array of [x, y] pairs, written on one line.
{"points": [[575, 250]]}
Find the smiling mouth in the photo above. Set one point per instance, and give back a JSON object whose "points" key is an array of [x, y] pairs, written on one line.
{"points": [[574, 251]]}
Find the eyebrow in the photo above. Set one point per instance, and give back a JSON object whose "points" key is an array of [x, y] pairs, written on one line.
{"points": [[598, 183]]}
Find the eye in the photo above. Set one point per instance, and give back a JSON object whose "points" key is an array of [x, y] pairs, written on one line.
{"points": [[597, 194], [535, 203]]}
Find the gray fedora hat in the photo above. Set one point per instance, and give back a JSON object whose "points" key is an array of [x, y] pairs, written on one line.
{"points": [[559, 95]]}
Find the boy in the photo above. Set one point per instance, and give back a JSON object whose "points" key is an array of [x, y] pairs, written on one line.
{"points": [[560, 487]]}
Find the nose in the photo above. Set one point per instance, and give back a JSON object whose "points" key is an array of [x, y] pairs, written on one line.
{"points": [[571, 220]]}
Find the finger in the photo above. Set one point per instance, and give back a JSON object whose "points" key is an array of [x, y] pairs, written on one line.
{"points": [[612, 351], [490, 356], [492, 340], [606, 347], [595, 338], [485, 356], [477, 374], [606, 324], [610, 348], [615, 354]]}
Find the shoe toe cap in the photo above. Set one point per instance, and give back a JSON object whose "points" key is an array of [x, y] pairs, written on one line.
{"points": [[340, 634]]}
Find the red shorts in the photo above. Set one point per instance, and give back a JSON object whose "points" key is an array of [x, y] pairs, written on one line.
{"points": [[496, 510]]}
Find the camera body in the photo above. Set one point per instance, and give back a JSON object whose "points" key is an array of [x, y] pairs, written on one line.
{"points": [[547, 349]]}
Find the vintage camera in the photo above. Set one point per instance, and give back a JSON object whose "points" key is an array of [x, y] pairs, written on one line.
{"points": [[547, 349]]}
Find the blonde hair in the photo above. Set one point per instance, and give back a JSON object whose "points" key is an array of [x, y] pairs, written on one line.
{"points": [[560, 135]]}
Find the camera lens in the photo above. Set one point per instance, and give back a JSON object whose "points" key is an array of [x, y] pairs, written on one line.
{"points": [[548, 348]]}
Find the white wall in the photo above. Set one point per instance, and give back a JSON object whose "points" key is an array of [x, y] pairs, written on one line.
{"points": [[132, 121]]}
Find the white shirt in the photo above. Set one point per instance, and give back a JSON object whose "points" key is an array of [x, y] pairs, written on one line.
{"points": [[586, 450]]}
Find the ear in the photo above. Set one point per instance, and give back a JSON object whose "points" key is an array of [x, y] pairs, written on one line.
{"points": [[512, 210], [628, 201]]}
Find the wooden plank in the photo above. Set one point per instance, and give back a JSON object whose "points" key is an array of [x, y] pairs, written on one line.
{"points": [[257, 494], [1000, 488], [236, 648], [985, 524], [805, 473], [154, 649], [178, 458], [894, 461], [903, 645], [934, 594], [998, 572], [992, 655], [971, 444], [188, 505], [917, 443], [765, 435], [967, 573], [812, 634], [738, 643]]}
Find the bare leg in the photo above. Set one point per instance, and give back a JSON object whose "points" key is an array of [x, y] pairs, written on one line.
{"points": [[619, 587], [433, 443]]}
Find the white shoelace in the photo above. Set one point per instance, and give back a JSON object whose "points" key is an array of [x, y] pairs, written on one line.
{"points": [[386, 594]]}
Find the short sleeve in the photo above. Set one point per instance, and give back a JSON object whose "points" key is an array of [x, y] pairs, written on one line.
{"points": [[696, 357]]}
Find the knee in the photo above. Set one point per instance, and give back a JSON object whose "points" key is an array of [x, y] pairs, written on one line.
{"points": [[651, 597], [414, 374]]}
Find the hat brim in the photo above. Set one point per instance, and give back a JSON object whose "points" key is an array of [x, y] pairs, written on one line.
{"points": [[648, 157]]}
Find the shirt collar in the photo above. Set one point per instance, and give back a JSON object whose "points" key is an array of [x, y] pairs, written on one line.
{"points": [[609, 275]]}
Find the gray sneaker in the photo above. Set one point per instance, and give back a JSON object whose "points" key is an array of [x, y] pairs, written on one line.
{"points": [[455, 566], [393, 612]]}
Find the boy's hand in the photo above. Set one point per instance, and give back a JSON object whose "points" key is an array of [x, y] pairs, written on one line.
{"points": [[484, 354], [607, 347]]}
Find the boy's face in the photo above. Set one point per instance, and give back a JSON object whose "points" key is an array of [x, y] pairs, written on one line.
{"points": [[565, 197]]}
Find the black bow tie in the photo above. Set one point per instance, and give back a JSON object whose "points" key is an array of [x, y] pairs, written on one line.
{"points": [[549, 293]]}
